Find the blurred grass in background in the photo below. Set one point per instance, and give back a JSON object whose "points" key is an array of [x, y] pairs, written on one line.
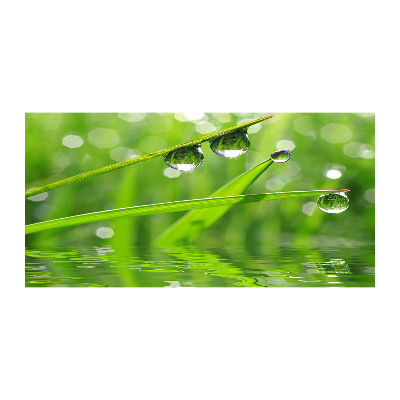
{"points": [[328, 151]]}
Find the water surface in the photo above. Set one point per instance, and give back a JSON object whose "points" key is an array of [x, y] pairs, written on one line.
{"points": [[104, 266]]}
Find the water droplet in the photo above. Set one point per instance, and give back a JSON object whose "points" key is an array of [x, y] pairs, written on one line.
{"points": [[280, 156], [233, 144], [333, 202], [185, 158]]}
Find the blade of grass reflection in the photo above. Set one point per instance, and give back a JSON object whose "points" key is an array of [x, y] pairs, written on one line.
{"points": [[127, 276], [288, 264], [66, 266], [325, 265], [198, 259], [258, 261], [284, 266], [60, 274], [310, 262]]}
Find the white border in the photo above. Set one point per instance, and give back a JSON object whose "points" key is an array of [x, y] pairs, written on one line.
{"points": [[209, 343]]}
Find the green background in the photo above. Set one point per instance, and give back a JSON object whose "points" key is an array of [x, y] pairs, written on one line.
{"points": [[323, 142]]}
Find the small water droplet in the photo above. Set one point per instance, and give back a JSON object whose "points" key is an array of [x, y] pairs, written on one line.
{"points": [[233, 144], [185, 158], [333, 203], [280, 156]]}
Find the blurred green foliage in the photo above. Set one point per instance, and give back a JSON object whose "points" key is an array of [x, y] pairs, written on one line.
{"points": [[326, 146]]}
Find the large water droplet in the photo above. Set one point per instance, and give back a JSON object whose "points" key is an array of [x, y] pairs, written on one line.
{"points": [[233, 144], [280, 156], [185, 158], [333, 202]]}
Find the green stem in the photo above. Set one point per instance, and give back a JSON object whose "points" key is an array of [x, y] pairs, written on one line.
{"points": [[113, 167], [182, 205]]}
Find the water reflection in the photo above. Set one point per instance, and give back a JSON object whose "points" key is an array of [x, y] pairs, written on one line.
{"points": [[104, 266]]}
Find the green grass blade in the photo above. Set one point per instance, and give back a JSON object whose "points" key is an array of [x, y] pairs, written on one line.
{"points": [[113, 167], [182, 205], [192, 224]]}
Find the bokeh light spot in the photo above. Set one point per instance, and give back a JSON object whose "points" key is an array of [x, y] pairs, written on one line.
{"points": [[193, 116], [338, 167], [72, 141], [244, 121], [336, 133], [352, 149], [274, 184], [103, 138], [370, 195], [285, 145], [180, 117], [38, 197], [358, 150], [104, 232], [294, 168], [205, 128], [367, 151], [124, 153], [131, 117], [171, 173], [42, 212], [254, 128], [333, 174], [309, 208], [304, 126]]}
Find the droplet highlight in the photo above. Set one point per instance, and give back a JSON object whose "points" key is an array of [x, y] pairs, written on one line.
{"points": [[185, 158], [280, 156], [333, 203], [231, 145]]}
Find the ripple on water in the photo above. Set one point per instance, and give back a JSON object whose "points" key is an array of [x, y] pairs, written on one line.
{"points": [[206, 267]]}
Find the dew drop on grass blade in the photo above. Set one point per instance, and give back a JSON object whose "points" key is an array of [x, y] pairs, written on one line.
{"points": [[333, 203], [231, 145], [185, 158]]}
